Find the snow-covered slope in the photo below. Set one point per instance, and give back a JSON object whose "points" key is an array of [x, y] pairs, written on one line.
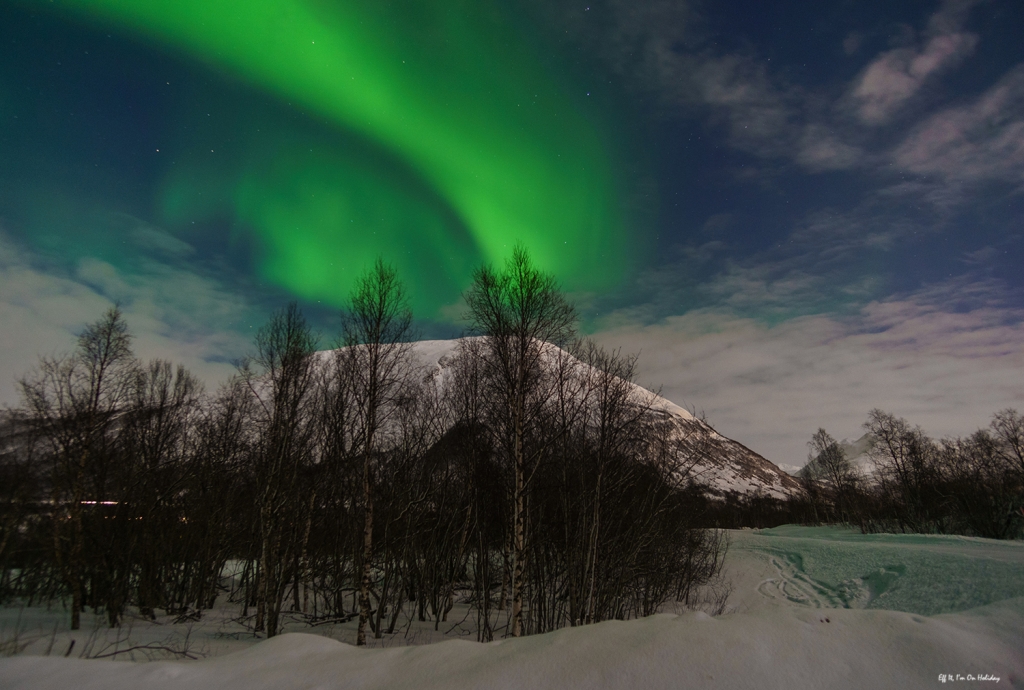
{"points": [[794, 649], [723, 465], [857, 453], [810, 608]]}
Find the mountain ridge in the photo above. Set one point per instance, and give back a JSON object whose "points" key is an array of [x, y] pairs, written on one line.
{"points": [[722, 466]]}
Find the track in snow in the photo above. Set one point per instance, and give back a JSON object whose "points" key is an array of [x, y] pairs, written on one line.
{"points": [[793, 584]]}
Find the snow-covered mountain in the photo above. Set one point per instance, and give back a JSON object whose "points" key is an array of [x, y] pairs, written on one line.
{"points": [[721, 464], [857, 453]]}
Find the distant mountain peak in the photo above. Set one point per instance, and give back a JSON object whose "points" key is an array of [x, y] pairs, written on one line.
{"points": [[722, 465]]}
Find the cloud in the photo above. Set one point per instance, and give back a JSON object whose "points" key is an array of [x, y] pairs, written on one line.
{"points": [[978, 142], [893, 78], [39, 311], [763, 286], [831, 258], [803, 332], [918, 356], [159, 242], [658, 47], [819, 149], [758, 114], [174, 313], [663, 52], [761, 113]]}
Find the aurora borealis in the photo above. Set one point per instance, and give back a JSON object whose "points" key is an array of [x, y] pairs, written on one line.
{"points": [[793, 213], [443, 140]]}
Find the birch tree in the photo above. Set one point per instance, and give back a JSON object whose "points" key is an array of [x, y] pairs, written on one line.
{"points": [[281, 377], [72, 402], [519, 309], [377, 327]]}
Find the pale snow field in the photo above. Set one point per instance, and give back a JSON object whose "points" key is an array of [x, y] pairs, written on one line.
{"points": [[810, 608]]}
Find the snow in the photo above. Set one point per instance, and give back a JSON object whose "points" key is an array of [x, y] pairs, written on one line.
{"points": [[794, 649], [722, 473], [824, 567], [857, 453], [811, 608], [429, 353]]}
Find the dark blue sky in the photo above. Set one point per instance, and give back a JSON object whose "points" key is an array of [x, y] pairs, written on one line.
{"points": [[825, 201]]}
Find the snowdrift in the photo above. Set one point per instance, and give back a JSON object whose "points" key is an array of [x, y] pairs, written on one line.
{"points": [[811, 608], [809, 648]]}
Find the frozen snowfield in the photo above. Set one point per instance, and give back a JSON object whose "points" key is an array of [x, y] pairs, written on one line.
{"points": [[828, 567], [810, 608]]}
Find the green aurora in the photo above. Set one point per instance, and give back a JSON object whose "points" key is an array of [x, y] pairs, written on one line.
{"points": [[454, 139]]}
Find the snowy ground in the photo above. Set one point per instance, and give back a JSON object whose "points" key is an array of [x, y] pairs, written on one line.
{"points": [[810, 608], [827, 567]]}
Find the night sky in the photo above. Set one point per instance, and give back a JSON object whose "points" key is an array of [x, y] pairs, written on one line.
{"points": [[794, 211]]}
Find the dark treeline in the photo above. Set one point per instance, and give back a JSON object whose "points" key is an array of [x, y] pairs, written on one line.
{"points": [[527, 476], [971, 486]]}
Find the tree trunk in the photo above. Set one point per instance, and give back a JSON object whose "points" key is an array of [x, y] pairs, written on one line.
{"points": [[518, 545], [364, 580], [75, 554]]}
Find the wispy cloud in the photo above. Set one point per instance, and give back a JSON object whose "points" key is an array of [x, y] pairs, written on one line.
{"points": [[831, 259], [916, 355], [655, 45], [174, 313], [982, 141], [758, 114], [895, 76], [820, 149]]}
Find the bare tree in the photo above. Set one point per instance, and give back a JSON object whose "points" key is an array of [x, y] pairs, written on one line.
{"points": [[959, 485], [519, 309], [73, 402], [468, 443], [905, 459], [827, 466], [1008, 427], [984, 496], [154, 445], [377, 327], [214, 502], [615, 430], [21, 493], [281, 377]]}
